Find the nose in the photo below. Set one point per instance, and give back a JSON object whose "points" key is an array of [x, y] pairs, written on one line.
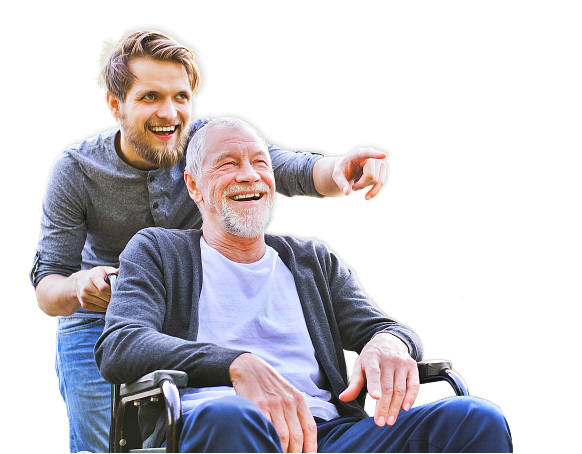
{"points": [[246, 173], [167, 110]]}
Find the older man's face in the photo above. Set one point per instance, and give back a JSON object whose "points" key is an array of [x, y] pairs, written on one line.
{"points": [[238, 185]]}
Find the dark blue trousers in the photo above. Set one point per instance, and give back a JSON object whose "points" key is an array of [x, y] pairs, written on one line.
{"points": [[456, 424]]}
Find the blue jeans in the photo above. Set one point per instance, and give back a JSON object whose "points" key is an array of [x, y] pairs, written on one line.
{"points": [[456, 424], [86, 395]]}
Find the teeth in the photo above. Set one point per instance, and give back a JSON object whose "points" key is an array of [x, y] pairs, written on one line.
{"points": [[162, 128], [245, 196]]}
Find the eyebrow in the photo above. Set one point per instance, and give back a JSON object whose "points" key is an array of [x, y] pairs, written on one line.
{"points": [[222, 156], [146, 91], [228, 155]]}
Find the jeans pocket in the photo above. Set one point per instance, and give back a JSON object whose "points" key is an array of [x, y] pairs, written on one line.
{"points": [[69, 325]]}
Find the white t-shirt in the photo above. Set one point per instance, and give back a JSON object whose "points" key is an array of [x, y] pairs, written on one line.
{"points": [[255, 307]]}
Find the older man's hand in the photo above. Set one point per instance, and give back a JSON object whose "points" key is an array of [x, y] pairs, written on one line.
{"points": [[279, 401], [391, 374]]}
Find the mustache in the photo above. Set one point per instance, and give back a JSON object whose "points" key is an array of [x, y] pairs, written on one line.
{"points": [[255, 187], [160, 124]]}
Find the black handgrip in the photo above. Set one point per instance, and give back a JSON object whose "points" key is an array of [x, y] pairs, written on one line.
{"points": [[427, 369], [110, 278]]}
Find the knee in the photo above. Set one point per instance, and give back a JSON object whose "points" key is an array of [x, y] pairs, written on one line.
{"points": [[478, 419], [228, 424], [474, 407]]}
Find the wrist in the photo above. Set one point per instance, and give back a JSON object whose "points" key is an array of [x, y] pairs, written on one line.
{"points": [[394, 341], [238, 366], [323, 177]]}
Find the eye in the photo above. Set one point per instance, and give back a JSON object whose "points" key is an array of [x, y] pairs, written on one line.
{"points": [[149, 96], [183, 97]]}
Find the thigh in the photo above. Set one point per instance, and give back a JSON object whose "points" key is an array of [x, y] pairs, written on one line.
{"points": [[457, 424], [86, 394], [228, 424]]}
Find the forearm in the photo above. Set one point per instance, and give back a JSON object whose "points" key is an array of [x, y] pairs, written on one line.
{"points": [[127, 351], [322, 177], [56, 295], [294, 171]]}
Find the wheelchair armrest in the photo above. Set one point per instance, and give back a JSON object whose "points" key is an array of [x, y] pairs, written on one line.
{"points": [[428, 369], [431, 371], [153, 381], [158, 383]]}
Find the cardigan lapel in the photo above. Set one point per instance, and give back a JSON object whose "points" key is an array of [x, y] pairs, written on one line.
{"points": [[313, 290]]}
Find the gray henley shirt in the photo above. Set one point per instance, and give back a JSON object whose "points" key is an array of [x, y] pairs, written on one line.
{"points": [[95, 202]]}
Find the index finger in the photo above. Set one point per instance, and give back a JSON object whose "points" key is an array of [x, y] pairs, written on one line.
{"points": [[368, 153], [373, 374], [309, 428], [103, 289]]}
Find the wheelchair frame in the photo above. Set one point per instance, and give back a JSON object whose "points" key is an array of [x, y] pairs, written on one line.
{"points": [[125, 435]]}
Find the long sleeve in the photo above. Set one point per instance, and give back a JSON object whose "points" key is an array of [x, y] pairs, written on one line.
{"points": [[63, 226], [294, 171], [152, 319]]}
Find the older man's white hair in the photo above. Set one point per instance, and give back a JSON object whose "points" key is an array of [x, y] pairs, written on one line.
{"points": [[197, 150]]}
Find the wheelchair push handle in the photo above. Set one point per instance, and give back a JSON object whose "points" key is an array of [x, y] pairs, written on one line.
{"points": [[110, 279]]}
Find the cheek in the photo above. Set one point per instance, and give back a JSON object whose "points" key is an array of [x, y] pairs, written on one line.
{"points": [[215, 188], [185, 112], [144, 115], [269, 178]]}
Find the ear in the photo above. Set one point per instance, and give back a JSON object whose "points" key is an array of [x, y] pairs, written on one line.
{"points": [[114, 104], [193, 190]]}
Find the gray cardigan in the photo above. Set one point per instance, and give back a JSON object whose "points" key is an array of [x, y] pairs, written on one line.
{"points": [[152, 320]]}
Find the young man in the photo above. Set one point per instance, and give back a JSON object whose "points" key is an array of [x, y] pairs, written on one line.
{"points": [[105, 189], [260, 322]]}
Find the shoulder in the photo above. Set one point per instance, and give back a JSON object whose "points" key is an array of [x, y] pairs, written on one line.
{"points": [[163, 242], [94, 150], [300, 250], [195, 125], [297, 244], [198, 123]]}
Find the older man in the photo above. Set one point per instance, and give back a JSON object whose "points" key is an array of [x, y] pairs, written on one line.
{"points": [[260, 322]]}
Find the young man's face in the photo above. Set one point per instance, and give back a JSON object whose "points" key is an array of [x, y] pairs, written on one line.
{"points": [[155, 116]]}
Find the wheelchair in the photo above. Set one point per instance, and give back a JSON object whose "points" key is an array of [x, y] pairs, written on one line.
{"points": [[125, 436]]}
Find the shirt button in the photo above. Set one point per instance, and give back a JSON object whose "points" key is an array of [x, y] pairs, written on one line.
{"points": [[155, 205], [152, 178]]}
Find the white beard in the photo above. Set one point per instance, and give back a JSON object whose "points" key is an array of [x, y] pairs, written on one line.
{"points": [[246, 223]]}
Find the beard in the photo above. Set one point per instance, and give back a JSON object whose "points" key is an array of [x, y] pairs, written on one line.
{"points": [[163, 156], [245, 222]]}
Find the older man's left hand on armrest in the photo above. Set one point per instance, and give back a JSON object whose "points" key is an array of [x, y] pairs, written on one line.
{"points": [[391, 375]]}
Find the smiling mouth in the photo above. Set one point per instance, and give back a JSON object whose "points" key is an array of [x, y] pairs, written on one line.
{"points": [[163, 130], [245, 197]]}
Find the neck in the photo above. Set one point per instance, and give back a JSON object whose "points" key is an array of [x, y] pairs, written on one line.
{"points": [[237, 249]]}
